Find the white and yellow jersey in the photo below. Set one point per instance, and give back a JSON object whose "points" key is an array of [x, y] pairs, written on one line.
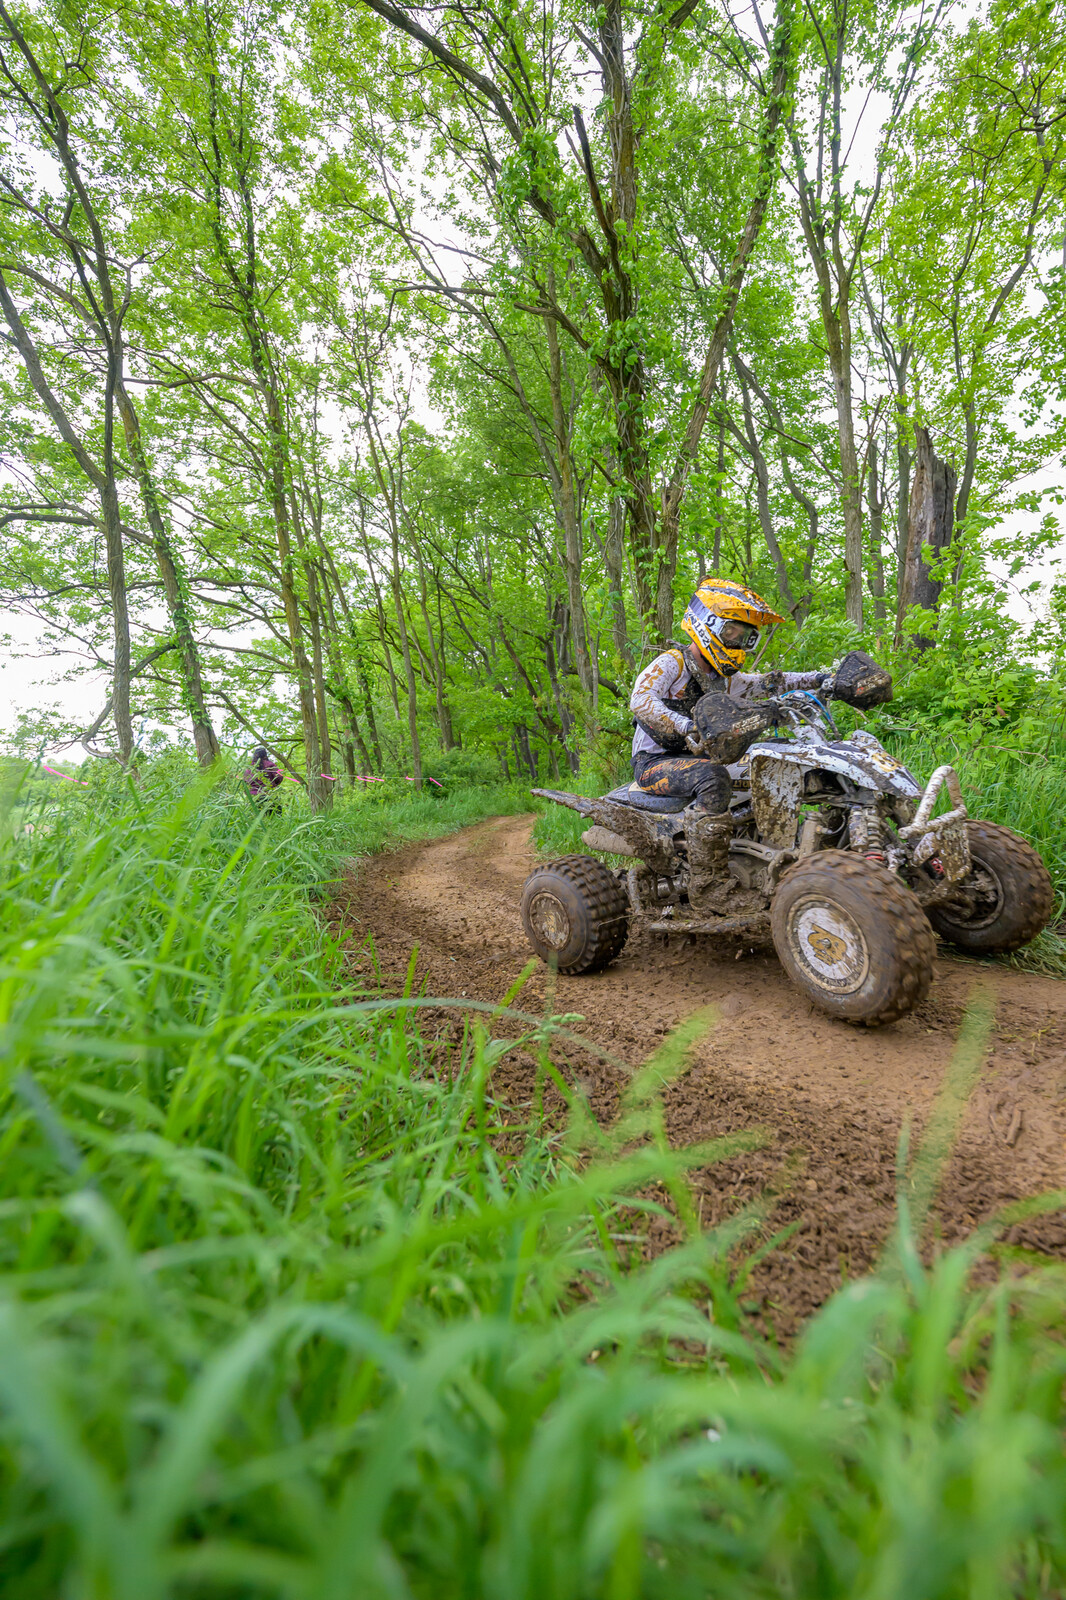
{"points": [[669, 677]]}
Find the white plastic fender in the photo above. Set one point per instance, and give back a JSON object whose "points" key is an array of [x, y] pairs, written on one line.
{"points": [[866, 764]]}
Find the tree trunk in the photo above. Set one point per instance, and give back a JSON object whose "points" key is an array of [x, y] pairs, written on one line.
{"points": [[614, 559], [904, 464], [116, 584], [435, 652], [719, 498], [749, 440], [523, 740], [277, 476], [353, 740], [204, 737], [969, 466], [851, 487], [904, 467], [930, 531], [318, 684], [877, 562], [343, 691], [293, 620], [780, 67], [244, 277], [619, 297], [568, 515], [368, 709], [103, 481], [566, 721], [823, 239], [319, 783], [408, 663]]}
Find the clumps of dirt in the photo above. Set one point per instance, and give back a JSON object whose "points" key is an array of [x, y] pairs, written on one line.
{"points": [[832, 1098]]}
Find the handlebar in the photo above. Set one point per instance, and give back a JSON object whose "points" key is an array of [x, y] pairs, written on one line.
{"points": [[807, 710]]}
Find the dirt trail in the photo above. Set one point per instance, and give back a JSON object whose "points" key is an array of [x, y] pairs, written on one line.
{"points": [[834, 1096]]}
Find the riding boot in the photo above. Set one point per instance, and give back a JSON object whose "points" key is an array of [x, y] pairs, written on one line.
{"points": [[710, 883]]}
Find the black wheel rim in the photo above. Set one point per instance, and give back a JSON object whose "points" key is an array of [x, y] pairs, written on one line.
{"points": [[985, 899]]}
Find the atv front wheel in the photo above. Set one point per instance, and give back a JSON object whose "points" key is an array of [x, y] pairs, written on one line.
{"points": [[1006, 900], [575, 913], [853, 938]]}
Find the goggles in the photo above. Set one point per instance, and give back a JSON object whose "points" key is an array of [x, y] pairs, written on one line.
{"points": [[734, 635]]}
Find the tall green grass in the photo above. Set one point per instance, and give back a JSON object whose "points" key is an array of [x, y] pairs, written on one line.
{"points": [[289, 1306]]}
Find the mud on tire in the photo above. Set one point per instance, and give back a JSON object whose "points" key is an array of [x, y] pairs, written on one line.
{"points": [[853, 938], [1010, 899], [576, 913]]}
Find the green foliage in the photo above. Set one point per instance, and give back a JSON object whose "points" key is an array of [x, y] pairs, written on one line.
{"points": [[979, 696], [462, 769], [290, 1306]]}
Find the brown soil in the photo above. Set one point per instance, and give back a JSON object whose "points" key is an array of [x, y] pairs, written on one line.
{"points": [[833, 1097]]}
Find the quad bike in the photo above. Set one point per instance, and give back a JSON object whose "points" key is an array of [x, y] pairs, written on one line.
{"points": [[833, 850]]}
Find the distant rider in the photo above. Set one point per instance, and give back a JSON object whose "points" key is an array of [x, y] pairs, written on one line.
{"points": [[263, 777]]}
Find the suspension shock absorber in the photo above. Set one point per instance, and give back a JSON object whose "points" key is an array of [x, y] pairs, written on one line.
{"points": [[866, 834]]}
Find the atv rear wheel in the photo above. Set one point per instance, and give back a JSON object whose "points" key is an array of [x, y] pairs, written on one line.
{"points": [[1006, 900], [575, 913], [853, 938]]}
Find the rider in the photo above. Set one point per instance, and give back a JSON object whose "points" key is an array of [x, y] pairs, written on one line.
{"points": [[722, 621], [263, 777], [669, 757]]}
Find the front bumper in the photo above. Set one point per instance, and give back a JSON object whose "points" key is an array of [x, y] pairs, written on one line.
{"points": [[944, 838]]}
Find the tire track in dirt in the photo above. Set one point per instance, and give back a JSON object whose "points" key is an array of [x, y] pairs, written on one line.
{"points": [[833, 1096]]}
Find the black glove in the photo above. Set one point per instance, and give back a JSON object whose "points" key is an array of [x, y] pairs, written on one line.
{"points": [[860, 682], [726, 729]]}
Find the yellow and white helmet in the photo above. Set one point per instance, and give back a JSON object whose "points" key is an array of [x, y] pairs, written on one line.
{"points": [[723, 620]]}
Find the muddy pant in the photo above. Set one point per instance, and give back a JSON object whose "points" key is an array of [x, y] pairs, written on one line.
{"points": [[687, 777]]}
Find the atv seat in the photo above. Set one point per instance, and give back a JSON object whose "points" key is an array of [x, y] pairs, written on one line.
{"points": [[630, 795]]}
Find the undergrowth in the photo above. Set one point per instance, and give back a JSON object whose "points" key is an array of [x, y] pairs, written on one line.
{"points": [[289, 1306]]}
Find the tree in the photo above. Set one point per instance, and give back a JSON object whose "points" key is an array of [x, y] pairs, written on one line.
{"points": [[878, 48], [81, 236], [492, 92]]}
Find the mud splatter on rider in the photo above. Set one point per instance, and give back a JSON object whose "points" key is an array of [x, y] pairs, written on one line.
{"points": [[722, 622], [671, 756]]}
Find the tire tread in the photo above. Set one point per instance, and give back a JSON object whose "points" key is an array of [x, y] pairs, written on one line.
{"points": [[916, 944], [1031, 886], [608, 906]]}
